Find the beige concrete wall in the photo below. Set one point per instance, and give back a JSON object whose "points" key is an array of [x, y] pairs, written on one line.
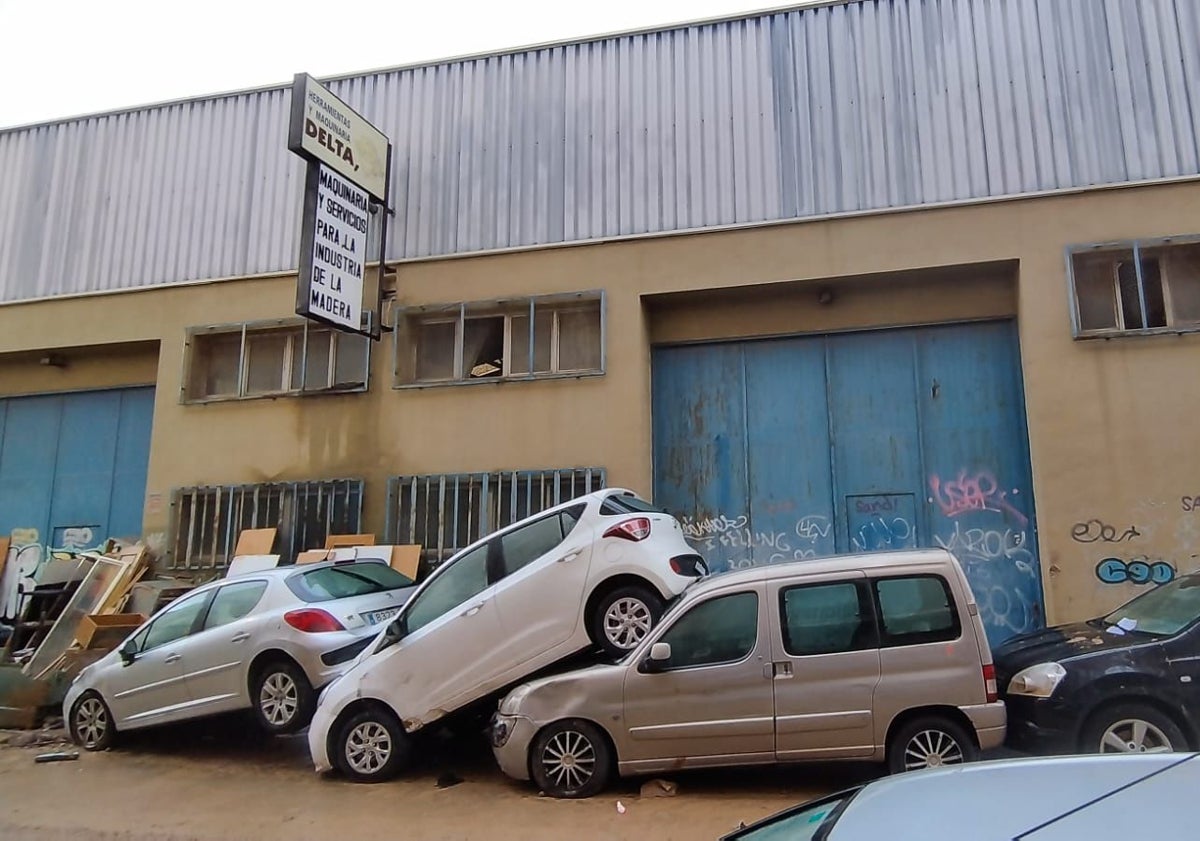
{"points": [[1111, 423]]}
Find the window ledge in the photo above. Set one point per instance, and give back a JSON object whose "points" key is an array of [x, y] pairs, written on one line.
{"points": [[273, 395], [571, 375], [1121, 334]]}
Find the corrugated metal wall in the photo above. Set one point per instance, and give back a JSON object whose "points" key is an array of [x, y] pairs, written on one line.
{"points": [[871, 104]]}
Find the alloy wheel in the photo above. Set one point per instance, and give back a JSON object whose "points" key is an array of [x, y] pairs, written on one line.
{"points": [[1134, 735], [626, 622], [931, 749], [368, 747], [569, 759], [279, 698], [91, 721]]}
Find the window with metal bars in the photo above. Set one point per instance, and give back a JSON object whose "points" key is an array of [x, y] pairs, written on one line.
{"points": [[206, 521], [1140, 287], [447, 512]]}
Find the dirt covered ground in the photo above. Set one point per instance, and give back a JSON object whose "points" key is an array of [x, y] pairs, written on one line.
{"points": [[222, 781]]}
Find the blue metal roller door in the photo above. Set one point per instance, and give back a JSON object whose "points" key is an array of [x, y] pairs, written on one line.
{"points": [[785, 449], [72, 473]]}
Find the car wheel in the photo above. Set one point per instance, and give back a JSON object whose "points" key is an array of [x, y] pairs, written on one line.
{"points": [[92, 726], [372, 746], [284, 700], [570, 758], [929, 742], [624, 617], [1132, 728]]}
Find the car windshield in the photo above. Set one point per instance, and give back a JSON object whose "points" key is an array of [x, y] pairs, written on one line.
{"points": [[810, 821], [346, 580], [1165, 610], [628, 504]]}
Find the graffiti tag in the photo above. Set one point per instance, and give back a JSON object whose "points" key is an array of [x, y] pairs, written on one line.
{"points": [[1190, 503], [1136, 571], [967, 493], [1097, 530], [989, 545], [882, 533]]}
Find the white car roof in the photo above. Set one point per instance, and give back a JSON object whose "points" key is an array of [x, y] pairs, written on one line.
{"points": [[1040, 799]]}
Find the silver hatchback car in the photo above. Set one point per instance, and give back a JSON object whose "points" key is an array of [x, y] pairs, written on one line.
{"points": [[266, 641]]}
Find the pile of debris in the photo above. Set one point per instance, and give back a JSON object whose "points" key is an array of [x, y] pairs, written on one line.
{"points": [[82, 606]]}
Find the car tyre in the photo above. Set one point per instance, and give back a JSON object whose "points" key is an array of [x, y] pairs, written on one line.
{"points": [[91, 724], [1132, 727], [571, 759], [623, 618], [929, 741], [284, 700], [371, 746]]}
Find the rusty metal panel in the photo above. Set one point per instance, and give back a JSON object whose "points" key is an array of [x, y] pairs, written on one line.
{"points": [[780, 450], [852, 106]]}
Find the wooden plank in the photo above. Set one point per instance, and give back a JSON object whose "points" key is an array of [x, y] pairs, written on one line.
{"points": [[255, 542]]}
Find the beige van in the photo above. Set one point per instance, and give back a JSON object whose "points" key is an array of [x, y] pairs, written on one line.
{"points": [[872, 657]]}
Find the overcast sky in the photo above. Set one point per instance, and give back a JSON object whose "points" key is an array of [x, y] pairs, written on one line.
{"points": [[62, 58]]}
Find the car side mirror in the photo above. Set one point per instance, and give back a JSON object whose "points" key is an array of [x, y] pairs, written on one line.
{"points": [[657, 659], [129, 652]]}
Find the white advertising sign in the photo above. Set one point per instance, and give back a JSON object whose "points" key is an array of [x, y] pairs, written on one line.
{"points": [[325, 129], [334, 291]]}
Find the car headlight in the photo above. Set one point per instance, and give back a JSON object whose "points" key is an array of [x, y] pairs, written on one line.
{"points": [[1038, 681], [502, 729]]}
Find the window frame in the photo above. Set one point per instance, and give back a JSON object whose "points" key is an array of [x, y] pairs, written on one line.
{"points": [[205, 601], [866, 593], [295, 360], [662, 637], [889, 640], [1136, 247], [509, 309]]}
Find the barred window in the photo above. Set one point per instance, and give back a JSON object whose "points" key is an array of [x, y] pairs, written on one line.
{"points": [[206, 521], [446, 512]]}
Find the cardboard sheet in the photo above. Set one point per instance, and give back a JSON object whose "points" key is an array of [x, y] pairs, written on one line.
{"points": [[406, 560], [336, 541], [255, 542], [313, 556]]}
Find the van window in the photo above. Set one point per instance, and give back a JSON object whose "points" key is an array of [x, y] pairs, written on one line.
{"points": [[916, 609], [827, 618], [463, 578], [721, 630], [525, 545]]}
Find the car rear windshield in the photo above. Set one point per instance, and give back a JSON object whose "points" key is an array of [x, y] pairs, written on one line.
{"points": [[345, 580], [1165, 610], [628, 504]]}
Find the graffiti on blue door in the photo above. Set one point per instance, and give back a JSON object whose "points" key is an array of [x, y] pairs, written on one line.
{"points": [[789, 449]]}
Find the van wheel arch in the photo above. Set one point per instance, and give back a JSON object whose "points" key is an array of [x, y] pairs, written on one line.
{"points": [[612, 745], [953, 713]]}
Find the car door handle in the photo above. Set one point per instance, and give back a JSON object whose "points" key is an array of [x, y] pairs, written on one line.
{"points": [[172, 658], [781, 670], [566, 559], [240, 637], [473, 609]]}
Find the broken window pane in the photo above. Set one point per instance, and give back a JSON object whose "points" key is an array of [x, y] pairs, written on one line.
{"points": [[435, 350], [483, 347], [314, 366], [1152, 290], [1182, 264], [1131, 305], [544, 321], [264, 366], [350, 367], [579, 339], [1094, 275], [217, 360]]}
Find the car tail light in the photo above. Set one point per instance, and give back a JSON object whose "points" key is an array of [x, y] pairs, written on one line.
{"points": [[312, 620], [689, 565], [636, 529], [989, 683]]}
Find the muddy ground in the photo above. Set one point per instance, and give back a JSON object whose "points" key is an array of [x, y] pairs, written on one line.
{"points": [[223, 781]]}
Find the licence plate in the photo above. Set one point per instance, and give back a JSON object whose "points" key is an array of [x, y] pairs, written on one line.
{"points": [[377, 616]]}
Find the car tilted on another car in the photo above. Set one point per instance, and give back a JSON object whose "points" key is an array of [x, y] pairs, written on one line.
{"points": [[594, 572], [266, 641], [1128, 682], [874, 657]]}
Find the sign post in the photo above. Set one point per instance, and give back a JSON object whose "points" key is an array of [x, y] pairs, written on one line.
{"points": [[346, 188]]}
